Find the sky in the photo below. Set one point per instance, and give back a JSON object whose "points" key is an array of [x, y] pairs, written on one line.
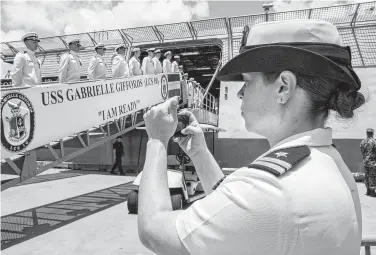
{"points": [[49, 18]]}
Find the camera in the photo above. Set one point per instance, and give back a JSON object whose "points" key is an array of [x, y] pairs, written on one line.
{"points": [[183, 122]]}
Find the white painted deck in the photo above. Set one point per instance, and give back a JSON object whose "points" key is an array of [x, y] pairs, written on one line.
{"points": [[108, 232]]}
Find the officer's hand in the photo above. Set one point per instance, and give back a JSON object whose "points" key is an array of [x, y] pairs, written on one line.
{"points": [[194, 142], [161, 120]]}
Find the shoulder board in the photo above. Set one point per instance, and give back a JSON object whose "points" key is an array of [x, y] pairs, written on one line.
{"points": [[280, 161]]}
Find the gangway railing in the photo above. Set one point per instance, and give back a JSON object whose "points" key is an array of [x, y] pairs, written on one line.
{"points": [[52, 114], [200, 101], [205, 109], [214, 76]]}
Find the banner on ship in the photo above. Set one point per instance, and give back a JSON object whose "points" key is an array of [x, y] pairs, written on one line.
{"points": [[36, 116]]}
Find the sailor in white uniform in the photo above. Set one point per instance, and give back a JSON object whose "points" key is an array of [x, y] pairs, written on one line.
{"points": [[297, 198], [97, 66], [70, 63], [167, 65], [120, 67], [181, 69], [198, 96], [190, 89], [26, 66], [175, 64], [134, 63], [147, 63], [157, 62]]}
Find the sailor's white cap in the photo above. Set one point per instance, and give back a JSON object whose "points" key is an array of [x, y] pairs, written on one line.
{"points": [[73, 40], [136, 49], [157, 51], [151, 49], [100, 46], [177, 56], [119, 46], [167, 53], [30, 36]]}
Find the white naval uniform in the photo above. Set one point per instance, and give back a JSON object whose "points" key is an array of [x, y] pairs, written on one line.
{"points": [[198, 97], [70, 67], [157, 65], [26, 69], [167, 66], [134, 66], [120, 67], [175, 67], [148, 66], [97, 68], [190, 91], [311, 209]]}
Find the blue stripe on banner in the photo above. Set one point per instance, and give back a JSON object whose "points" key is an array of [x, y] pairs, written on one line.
{"points": [[173, 77]]}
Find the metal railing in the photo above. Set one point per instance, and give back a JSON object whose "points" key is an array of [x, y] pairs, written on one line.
{"points": [[368, 242], [356, 24], [196, 99]]}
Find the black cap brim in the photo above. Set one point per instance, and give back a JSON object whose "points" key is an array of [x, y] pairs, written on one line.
{"points": [[32, 39], [277, 58]]}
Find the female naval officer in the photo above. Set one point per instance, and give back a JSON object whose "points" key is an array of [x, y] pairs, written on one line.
{"points": [[297, 198]]}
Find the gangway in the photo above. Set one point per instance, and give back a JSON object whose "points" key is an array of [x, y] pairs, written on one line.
{"points": [[51, 115]]}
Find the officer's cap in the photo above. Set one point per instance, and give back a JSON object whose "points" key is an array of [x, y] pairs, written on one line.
{"points": [[157, 51], [370, 130], [31, 36], [151, 49], [136, 49], [119, 137], [180, 66], [100, 46], [73, 40], [177, 56], [191, 79], [167, 53], [119, 47]]}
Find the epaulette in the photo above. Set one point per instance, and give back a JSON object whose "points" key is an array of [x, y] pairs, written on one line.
{"points": [[280, 161]]}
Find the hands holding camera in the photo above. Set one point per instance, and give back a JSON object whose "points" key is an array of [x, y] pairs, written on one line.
{"points": [[161, 122]]}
